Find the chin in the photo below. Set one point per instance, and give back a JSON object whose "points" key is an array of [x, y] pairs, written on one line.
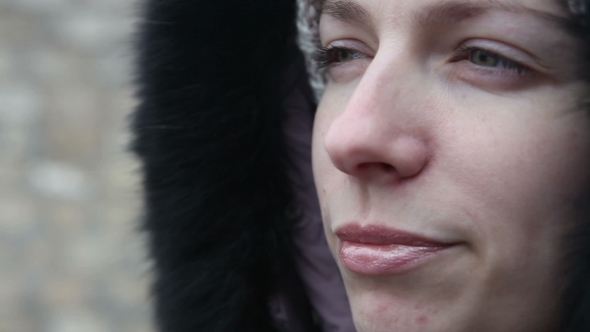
{"points": [[407, 302], [379, 308], [382, 313]]}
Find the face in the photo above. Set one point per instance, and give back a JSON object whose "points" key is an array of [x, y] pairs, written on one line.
{"points": [[450, 156]]}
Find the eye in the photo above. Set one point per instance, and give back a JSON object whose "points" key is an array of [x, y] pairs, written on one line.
{"points": [[483, 58], [488, 67], [488, 59], [333, 55]]}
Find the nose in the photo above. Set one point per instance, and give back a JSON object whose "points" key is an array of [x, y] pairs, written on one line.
{"points": [[379, 135]]}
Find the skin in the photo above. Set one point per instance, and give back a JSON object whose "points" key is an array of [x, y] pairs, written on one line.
{"points": [[412, 136]]}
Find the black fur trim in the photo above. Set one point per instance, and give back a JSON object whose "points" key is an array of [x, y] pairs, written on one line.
{"points": [[208, 132], [575, 309]]}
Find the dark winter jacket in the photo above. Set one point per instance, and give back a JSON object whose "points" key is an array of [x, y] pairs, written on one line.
{"points": [[223, 131]]}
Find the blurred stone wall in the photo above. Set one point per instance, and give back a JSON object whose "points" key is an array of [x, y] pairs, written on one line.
{"points": [[71, 259]]}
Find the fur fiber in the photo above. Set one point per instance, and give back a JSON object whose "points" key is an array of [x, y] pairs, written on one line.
{"points": [[575, 315], [208, 133]]}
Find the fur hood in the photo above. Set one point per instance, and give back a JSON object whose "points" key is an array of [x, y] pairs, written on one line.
{"points": [[220, 209]]}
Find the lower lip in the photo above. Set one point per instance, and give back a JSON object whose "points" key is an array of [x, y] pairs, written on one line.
{"points": [[373, 259]]}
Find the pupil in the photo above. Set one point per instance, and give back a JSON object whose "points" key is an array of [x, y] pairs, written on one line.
{"points": [[484, 59], [343, 56]]}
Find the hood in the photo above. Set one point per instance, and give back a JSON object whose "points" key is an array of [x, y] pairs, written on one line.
{"points": [[219, 207]]}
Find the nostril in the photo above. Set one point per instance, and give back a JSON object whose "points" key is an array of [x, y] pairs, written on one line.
{"points": [[384, 167], [387, 167]]}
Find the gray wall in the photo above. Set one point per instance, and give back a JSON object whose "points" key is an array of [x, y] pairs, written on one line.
{"points": [[70, 257]]}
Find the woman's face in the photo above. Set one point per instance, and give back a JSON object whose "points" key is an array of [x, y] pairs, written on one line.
{"points": [[450, 156]]}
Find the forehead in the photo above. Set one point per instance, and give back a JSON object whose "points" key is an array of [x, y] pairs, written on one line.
{"points": [[548, 4], [425, 11]]}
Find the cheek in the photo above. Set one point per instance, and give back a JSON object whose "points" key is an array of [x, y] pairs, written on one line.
{"points": [[327, 177], [321, 164], [523, 162], [320, 159], [522, 175], [323, 169]]}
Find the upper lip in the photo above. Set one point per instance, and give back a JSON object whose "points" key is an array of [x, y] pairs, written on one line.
{"points": [[382, 235]]}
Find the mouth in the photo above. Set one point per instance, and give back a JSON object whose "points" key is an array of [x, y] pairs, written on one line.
{"points": [[378, 250]]}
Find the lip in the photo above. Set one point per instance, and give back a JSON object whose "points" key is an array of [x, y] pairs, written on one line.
{"points": [[379, 250]]}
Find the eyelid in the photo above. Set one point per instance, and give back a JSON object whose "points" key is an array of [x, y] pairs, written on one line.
{"points": [[507, 52], [521, 74], [355, 47], [323, 54], [465, 53]]}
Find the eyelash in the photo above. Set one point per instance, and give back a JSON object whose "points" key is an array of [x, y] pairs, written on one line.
{"points": [[324, 57], [467, 52]]}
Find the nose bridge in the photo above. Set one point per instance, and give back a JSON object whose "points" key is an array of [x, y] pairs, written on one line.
{"points": [[386, 95], [378, 130]]}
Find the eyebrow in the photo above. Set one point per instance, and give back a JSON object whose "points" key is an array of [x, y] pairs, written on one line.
{"points": [[457, 11], [449, 12], [347, 11]]}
